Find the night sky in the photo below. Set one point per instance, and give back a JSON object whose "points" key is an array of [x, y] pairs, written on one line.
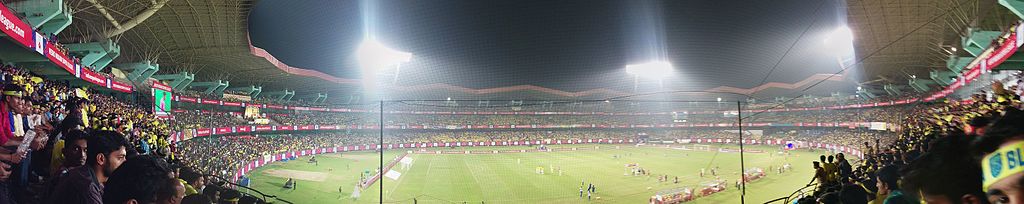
{"points": [[565, 45]]}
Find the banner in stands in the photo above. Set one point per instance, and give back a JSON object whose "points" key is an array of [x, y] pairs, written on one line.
{"points": [[118, 86], [15, 28], [273, 128], [348, 110], [236, 97], [22, 33], [990, 59], [92, 77]]}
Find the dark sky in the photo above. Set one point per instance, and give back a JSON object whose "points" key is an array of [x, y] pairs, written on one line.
{"points": [[566, 45]]}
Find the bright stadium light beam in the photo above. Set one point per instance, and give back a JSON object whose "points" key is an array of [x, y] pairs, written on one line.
{"points": [[376, 59], [839, 42], [374, 55], [652, 70], [840, 37]]}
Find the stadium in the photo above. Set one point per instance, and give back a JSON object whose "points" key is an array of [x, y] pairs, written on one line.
{"points": [[461, 101]]}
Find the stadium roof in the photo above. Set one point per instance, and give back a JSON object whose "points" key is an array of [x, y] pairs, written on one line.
{"points": [[542, 49]]}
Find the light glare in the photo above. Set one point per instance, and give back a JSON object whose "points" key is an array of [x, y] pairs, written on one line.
{"points": [[840, 36], [656, 69], [374, 55]]}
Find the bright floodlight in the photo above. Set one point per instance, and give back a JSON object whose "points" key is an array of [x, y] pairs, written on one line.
{"points": [[373, 55], [840, 36], [656, 70]]}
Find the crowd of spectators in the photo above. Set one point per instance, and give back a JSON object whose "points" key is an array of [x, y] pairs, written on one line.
{"points": [[325, 118], [945, 152], [223, 155], [196, 119], [193, 119], [76, 145]]}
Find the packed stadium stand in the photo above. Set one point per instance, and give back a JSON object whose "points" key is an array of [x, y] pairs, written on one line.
{"points": [[176, 101]]}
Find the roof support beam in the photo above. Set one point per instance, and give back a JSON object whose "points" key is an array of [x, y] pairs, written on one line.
{"points": [[96, 54], [284, 95], [865, 93], [178, 82], [892, 90], [920, 85], [252, 91], [1015, 6], [212, 87], [103, 10], [49, 17], [135, 21], [977, 41], [320, 98], [943, 78], [956, 64], [140, 71]]}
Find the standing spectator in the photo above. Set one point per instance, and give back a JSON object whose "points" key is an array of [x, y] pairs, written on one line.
{"points": [[845, 170]]}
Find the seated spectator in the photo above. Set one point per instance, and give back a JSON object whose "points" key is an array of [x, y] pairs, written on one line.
{"points": [[1002, 142], [84, 184], [960, 175], [143, 179], [196, 199], [888, 186], [73, 150], [195, 182]]}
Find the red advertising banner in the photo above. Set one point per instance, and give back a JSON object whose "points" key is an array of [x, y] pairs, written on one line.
{"points": [[264, 128], [186, 99], [122, 87], [223, 130], [161, 86], [203, 132], [59, 58], [985, 63], [18, 30], [92, 77]]}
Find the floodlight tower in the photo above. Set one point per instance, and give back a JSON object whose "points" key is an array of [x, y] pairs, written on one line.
{"points": [[653, 70]]}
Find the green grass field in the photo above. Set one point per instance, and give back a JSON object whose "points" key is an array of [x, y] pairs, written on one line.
{"points": [[511, 177]]}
